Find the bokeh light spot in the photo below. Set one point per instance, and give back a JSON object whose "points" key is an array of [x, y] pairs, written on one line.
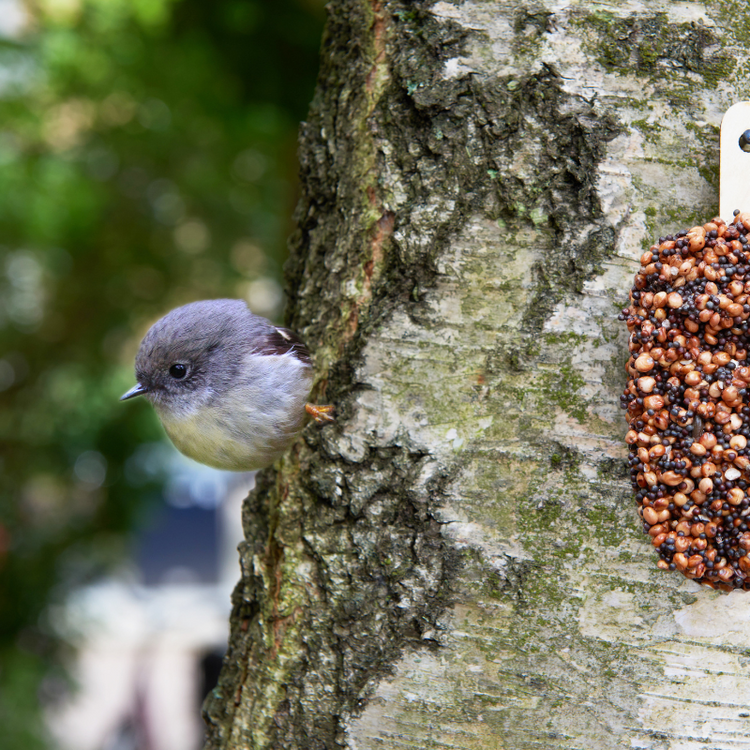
{"points": [[91, 468]]}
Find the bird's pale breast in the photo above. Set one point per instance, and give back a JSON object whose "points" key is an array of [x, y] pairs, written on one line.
{"points": [[252, 423]]}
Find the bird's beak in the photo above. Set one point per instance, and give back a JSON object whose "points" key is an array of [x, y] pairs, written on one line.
{"points": [[136, 390]]}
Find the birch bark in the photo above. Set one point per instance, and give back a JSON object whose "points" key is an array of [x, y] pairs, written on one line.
{"points": [[458, 561]]}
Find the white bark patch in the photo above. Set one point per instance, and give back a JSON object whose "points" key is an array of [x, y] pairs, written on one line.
{"points": [[454, 68]]}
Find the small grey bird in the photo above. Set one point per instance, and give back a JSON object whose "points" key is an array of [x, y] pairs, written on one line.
{"points": [[229, 387]]}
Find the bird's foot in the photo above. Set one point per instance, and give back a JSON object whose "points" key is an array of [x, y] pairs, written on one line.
{"points": [[321, 414]]}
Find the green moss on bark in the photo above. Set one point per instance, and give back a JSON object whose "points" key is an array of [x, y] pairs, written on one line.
{"points": [[653, 47]]}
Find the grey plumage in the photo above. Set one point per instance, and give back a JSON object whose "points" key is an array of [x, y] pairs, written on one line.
{"points": [[241, 399]]}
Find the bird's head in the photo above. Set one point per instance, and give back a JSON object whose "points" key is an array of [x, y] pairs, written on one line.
{"points": [[190, 355]]}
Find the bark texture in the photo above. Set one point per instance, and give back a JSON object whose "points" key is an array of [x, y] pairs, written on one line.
{"points": [[458, 562]]}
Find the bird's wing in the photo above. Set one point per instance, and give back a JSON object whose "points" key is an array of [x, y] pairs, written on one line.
{"points": [[283, 341]]}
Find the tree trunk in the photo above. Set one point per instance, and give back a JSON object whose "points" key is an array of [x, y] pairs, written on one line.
{"points": [[458, 561]]}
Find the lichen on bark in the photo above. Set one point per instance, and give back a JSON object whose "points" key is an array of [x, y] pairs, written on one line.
{"points": [[457, 561]]}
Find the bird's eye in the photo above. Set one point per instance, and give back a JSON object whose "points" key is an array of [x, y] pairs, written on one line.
{"points": [[178, 372]]}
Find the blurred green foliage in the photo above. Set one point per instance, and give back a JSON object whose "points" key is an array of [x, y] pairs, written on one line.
{"points": [[147, 158]]}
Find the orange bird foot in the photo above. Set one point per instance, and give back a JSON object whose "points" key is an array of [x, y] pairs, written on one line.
{"points": [[321, 414]]}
